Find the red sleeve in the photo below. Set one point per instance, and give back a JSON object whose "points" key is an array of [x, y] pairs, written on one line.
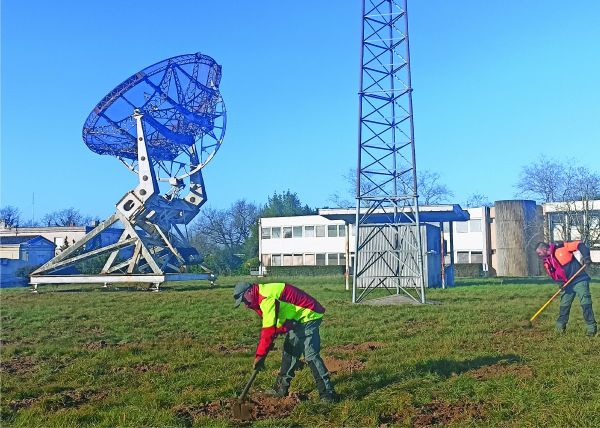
{"points": [[267, 336]]}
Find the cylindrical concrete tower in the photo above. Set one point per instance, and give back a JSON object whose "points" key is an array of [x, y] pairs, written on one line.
{"points": [[519, 228]]}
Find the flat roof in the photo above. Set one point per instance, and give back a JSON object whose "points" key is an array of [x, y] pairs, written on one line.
{"points": [[427, 214]]}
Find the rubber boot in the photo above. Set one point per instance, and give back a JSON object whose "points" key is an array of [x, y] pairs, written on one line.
{"points": [[563, 318], [324, 386], [279, 390], [588, 315]]}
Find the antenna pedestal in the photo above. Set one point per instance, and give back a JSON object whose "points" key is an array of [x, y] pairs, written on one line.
{"points": [[140, 242]]}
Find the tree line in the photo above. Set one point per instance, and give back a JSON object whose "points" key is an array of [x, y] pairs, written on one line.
{"points": [[228, 238]]}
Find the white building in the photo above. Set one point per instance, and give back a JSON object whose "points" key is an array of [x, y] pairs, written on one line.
{"points": [[328, 238], [22, 253], [61, 236]]}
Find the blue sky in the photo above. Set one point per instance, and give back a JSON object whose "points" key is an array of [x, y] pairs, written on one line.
{"points": [[496, 84]]}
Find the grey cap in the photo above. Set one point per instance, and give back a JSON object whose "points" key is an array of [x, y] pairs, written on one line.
{"points": [[238, 292]]}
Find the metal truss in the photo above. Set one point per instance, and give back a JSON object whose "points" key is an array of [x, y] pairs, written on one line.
{"points": [[388, 240]]}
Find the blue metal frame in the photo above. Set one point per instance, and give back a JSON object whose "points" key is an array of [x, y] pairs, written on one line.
{"points": [[181, 103]]}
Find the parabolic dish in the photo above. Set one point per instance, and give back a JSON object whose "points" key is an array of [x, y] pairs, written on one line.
{"points": [[183, 112]]}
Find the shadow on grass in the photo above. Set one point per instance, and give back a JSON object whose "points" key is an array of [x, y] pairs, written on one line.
{"points": [[89, 288], [370, 381], [446, 368]]}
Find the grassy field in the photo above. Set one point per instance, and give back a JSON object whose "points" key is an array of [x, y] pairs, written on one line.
{"points": [[77, 356]]}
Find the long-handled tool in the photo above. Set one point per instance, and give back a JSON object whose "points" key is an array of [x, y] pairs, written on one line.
{"points": [[556, 294], [241, 410]]}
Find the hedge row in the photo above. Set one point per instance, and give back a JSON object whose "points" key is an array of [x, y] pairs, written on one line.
{"points": [[468, 270], [305, 270]]}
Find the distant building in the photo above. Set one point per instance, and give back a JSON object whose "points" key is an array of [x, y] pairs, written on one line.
{"points": [[329, 239], [21, 254], [500, 239], [61, 236]]}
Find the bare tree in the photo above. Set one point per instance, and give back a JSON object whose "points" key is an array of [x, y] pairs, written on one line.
{"points": [[574, 191], [66, 217], [543, 180], [229, 228], [581, 205], [431, 191], [10, 216], [477, 200]]}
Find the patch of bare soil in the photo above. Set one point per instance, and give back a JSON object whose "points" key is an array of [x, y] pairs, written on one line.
{"points": [[495, 370], [261, 406], [230, 349], [352, 347], [23, 403], [337, 365], [94, 346], [74, 398], [64, 399], [443, 413], [155, 368], [503, 332], [18, 365], [144, 368]]}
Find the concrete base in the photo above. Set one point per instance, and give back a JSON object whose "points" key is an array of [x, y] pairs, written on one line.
{"points": [[396, 299], [151, 279]]}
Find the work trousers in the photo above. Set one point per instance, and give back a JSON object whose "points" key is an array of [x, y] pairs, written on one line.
{"points": [[304, 339], [580, 289]]}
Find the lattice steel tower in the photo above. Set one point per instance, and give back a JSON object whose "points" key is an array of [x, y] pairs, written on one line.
{"points": [[388, 239]]}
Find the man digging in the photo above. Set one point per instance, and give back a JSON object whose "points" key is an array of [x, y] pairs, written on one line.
{"points": [[561, 265], [285, 309]]}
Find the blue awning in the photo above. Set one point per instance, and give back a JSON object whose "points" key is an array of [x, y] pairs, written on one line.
{"points": [[427, 214]]}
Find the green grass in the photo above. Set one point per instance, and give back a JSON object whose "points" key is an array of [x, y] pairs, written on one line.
{"points": [[77, 356]]}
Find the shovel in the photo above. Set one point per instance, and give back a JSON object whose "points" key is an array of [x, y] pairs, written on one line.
{"points": [[241, 410]]}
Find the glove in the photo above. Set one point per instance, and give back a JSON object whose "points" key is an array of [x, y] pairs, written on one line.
{"points": [[259, 363]]}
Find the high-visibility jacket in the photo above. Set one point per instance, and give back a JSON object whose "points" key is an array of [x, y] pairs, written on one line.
{"points": [[561, 264], [280, 306]]}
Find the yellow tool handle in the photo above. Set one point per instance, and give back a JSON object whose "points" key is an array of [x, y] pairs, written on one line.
{"points": [[557, 293]]}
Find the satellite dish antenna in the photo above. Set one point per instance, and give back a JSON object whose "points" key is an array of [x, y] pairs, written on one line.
{"points": [[164, 123]]}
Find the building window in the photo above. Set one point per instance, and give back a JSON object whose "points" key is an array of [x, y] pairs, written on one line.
{"points": [[297, 231], [320, 231], [287, 232], [342, 230], [475, 225], [266, 233], [276, 232], [462, 256], [297, 260], [309, 259], [309, 231], [462, 227], [332, 259], [287, 260], [320, 259], [342, 259], [266, 260], [276, 260], [476, 257], [332, 231]]}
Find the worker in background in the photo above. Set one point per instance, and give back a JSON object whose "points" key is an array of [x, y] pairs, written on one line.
{"points": [[561, 265], [285, 309]]}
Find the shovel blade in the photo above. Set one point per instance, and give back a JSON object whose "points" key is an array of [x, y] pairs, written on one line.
{"points": [[241, 411]]}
